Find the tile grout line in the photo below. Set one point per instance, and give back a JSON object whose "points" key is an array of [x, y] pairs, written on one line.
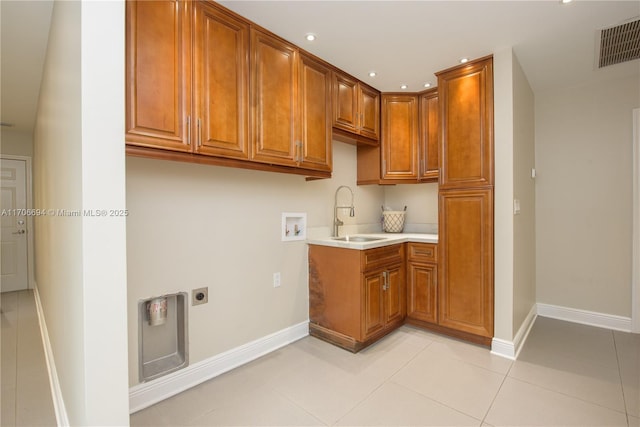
{"points": [[570, 396], [385, 381], [506, 375], [438, 402], [624, 400], [429, 397], [475, 365], [296, 404]]}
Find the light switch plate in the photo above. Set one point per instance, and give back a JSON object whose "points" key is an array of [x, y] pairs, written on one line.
{"points": [[276, 280]]}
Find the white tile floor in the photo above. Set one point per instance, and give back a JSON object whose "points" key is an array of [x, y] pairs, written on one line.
{"points": [[26, 394], [567, 374]]}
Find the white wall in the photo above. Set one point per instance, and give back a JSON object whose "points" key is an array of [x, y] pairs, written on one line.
{"points": [[421, 201], [503, 194], [104, 239], [16, 143], [524, 238], [57, 175], [79, 164], [196, 225], [583, 196], [514, 244]]}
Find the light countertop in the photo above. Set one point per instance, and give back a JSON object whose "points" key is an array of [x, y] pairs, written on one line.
{"points": [[386, 239]]}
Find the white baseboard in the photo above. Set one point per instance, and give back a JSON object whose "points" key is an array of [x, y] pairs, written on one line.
{"points": [[146, 394], [503, 348], [56, 392], [601, 320], [511, 349]]}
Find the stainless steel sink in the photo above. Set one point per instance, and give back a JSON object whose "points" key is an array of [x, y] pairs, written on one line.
{"points": [[358, 239]]}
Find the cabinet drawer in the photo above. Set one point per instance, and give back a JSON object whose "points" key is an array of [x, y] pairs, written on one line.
{"points": [[422, 252], [384, 256]]}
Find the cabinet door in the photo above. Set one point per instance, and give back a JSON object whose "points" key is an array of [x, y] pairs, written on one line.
{"points": [[400, 137], [315, 115], [429, 136], [465, 282], [373, 299], [395, 299], [422, 292], [466, 119], [275, 99], [345, 103], [158, 70], [221, 97], [369, 110]]}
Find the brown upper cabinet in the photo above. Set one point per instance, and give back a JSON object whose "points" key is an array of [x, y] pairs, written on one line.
{"points": [[466, 125], [408, 152], [284, 126], [275, 99], [428, 152], [291, 105], [165, 108], [158, 77], [221, 83], [356, 109], [399, 153], [315, 114]]}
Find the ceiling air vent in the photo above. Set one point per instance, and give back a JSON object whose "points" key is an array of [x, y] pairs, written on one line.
{"points": [[619, 44]]}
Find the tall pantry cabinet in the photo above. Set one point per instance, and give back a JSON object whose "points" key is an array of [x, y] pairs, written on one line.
{"points": [[465, 276]]}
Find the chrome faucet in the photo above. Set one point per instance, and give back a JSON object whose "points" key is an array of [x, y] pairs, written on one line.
{"points": [[336, 221]]}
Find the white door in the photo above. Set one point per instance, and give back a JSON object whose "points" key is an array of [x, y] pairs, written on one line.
{"points": [[13, 267]]}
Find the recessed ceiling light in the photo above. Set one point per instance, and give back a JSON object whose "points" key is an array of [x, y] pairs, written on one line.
{"points": [[310, 37], [565, 1], [372, 74], [427, 85], [464, 60], [403, 86]]}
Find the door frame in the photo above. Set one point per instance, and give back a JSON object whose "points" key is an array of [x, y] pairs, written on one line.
{"points": [[31, 283], [635, 268]]}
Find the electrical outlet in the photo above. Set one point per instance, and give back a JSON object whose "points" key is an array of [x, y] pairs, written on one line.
{"points": [[199, 296], [276, 280]]}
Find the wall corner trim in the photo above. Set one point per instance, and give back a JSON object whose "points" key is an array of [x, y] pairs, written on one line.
{"points": [[635, 251], [601, 320], [56, 392], [511, 349], [146, 394]]}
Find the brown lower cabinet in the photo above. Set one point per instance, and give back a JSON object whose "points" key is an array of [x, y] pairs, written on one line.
{"points": [[356, 296], [466, 272], [422, 282]]}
